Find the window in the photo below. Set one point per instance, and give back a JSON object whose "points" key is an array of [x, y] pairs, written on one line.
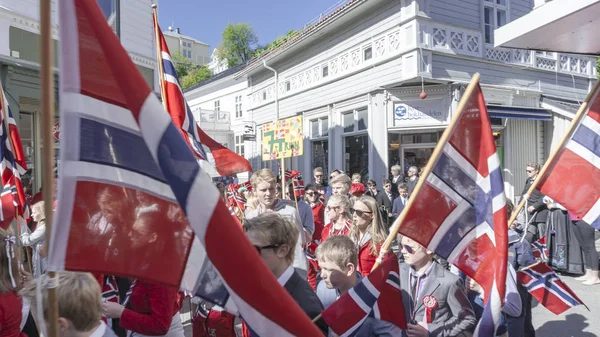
{"points": [[494, 16], [357, 155], [239, 145], [325, 70], [238, 106], [319, 130], [355, 120], [217, 106], [288, 86], [109, 9], [189, 54], [368, 53]]}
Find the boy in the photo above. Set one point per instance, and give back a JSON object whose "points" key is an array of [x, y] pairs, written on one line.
{"points": [[421, 277], [275, 237], [338, 259], [79, 305]]}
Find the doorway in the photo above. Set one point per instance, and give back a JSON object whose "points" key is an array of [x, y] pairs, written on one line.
{"points": [[415, 155]]}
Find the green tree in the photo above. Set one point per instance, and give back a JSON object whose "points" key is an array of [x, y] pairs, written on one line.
{"points": [[274, 44], [237, 46], [195, 75], [188, 72]]}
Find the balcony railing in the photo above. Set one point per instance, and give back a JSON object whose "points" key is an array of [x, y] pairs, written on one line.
{"points": [[470, 42], [213, 120]]}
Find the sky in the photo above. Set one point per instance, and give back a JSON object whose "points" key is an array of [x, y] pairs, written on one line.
{"points": [[205, 20]]}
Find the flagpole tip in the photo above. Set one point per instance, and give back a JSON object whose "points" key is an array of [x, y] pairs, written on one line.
{"points": [[154, 6]]}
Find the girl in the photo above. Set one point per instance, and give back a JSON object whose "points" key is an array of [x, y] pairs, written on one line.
{"points": [[36, 239], [368, 232], [338, 211]]}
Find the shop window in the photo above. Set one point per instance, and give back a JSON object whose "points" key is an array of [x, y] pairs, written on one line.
{"points": [[357, 155], [393, 149], [320, 154], [356, 120], [417, 138]]}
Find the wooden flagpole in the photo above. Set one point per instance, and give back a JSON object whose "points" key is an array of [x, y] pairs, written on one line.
{"points": [[47, 84], [574, 123], [159, 59], [5, 122], [428, 168]]}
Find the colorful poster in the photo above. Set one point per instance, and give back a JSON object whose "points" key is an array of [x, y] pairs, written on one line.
{"points": [[282, 139]]}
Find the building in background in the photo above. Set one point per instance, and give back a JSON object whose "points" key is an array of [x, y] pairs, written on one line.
{"points": [[20, 62], [186, 46], [217, 64], [357, 72]]}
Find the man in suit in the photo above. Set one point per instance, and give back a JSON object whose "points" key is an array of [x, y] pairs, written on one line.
{"points": [[401, 200], [386, 200], [396, 178], [275, 237], [413, 178], [434, 299], [536, 208]]}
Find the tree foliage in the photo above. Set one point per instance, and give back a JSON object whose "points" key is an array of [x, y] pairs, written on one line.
{"points": [[238, 44], [188, 72], [276, 43]]}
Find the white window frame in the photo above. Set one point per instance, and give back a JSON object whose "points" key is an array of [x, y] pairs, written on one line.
{"points": [[495, 8], [239, 145], [355, 130], [238, 106], [217, 106], [320, 136]]}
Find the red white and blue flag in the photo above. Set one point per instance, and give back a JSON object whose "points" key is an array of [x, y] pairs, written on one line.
{"points": [[378, 296], [548, 289], [13, 165], [572, 179], [466, 190], [539, 249], [129, 183], [225, 161]]}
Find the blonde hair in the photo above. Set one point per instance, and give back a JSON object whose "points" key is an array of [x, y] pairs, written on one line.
{"points": [[377, 230], [79, 299], [342, 178], [263, 175], [5, 281], [275, 230], [343, 202], [39, 208], [356, 177], [251, 203], [338, 249]]}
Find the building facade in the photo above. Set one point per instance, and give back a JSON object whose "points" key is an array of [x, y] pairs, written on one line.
{"points": [[356, 77], [20, 63], [186, 46], [219, 106], [216, 64]]}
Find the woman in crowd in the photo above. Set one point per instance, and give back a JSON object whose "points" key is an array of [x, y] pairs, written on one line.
{"points": [[586, 236], [356, 191], [563, 248], [368, 232], [35, 239], [338, 211]]}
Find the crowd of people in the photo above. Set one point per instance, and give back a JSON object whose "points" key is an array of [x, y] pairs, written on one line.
{"points": [[318, 241]]}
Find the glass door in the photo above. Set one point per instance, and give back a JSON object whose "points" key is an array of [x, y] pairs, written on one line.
{"points": [[415, 155]]}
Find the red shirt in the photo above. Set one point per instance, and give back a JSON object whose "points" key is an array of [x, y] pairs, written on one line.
{"points": [[10, 314], [329, 231], [153, 307], [366, 260], [319, 216]]}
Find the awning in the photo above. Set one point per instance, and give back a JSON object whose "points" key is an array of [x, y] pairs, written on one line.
{"points": [[566, 26], [496, 111]]}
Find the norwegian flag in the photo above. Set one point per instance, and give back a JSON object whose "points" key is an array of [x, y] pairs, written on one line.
{"points": [[225, 161], [297, 183], [234, 198], [465, 187], [539, 249], [110, 293], [376, 295], [13, 165], [123, 153], [572, 179], [543, 284]]}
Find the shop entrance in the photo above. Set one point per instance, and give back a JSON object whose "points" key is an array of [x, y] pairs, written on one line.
{"points": [[415, 155]]}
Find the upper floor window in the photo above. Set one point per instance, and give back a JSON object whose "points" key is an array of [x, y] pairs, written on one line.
{"points": [[325, 70], [319, 127], [217, 106], [238, 106], [239, 145], [495, 15], [355, 120]]}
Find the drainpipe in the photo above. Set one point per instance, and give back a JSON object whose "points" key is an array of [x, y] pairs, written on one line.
{"points": [[276, 88]]}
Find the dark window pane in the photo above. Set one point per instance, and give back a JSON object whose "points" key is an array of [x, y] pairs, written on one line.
{"points": [[348, 122], [363, 119], [357, 155], [325, 126]]}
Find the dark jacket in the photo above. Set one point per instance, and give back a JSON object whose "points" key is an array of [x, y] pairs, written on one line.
{"points": [[536, 200], [306, 298]]}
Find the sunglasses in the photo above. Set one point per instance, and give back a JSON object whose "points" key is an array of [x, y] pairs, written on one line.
{"points": [[359, 212], [409, 249], [330, 208], [259, 249]]}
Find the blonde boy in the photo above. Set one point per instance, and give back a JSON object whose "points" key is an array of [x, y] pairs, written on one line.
{"points": [[338, 259], [79, 305]]}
